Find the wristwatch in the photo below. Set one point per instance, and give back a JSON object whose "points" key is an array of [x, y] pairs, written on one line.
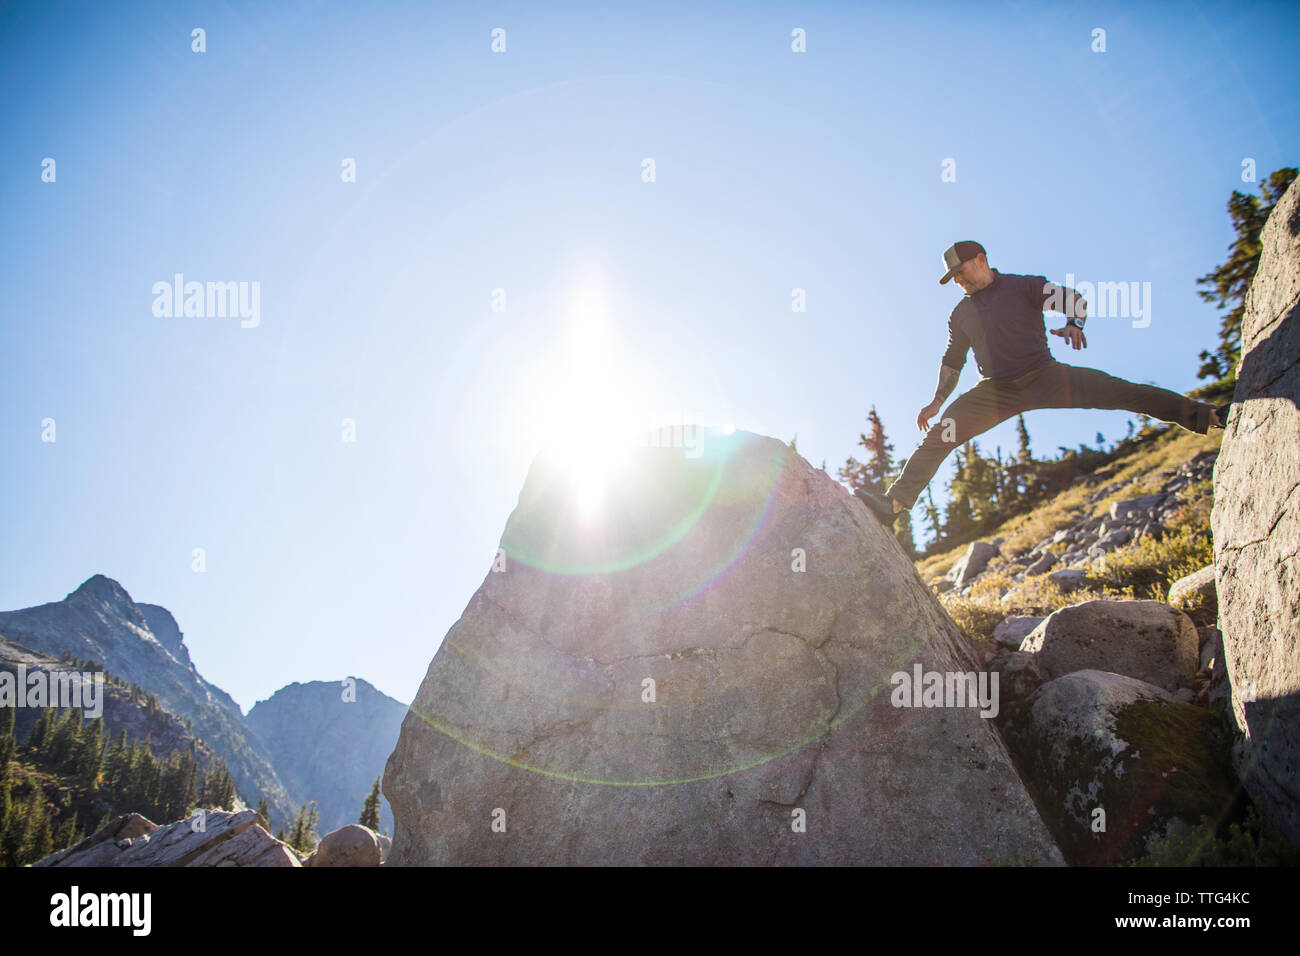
{"points": [[1075, 321]]}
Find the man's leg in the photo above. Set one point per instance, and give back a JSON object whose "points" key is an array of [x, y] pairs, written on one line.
{"points": [[1071, 386], [971, 413]]}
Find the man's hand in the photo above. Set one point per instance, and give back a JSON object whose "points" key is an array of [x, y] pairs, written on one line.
{"points": [[923, 419], [1072, 334]]}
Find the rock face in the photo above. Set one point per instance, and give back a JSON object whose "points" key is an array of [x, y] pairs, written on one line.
{"points": [[329, 740], [226, 839], [700, 673], [1093, 741], [1147, 640], [1256, 521]]}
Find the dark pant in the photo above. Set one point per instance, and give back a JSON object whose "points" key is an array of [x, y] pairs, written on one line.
{"points": [[1058, 385]]}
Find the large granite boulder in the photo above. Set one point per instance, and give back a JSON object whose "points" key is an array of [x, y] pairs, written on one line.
{"points": [[1148, 640], [209, 838], [1256, 521], [701, 672], [1119, 765]]}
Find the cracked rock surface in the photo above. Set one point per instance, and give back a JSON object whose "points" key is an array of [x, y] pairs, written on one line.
{"points": [[237, 838], [1256, 521], [686, 674]]}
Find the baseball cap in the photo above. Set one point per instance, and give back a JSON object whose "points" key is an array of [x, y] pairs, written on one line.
{"points": [[958, 253]]}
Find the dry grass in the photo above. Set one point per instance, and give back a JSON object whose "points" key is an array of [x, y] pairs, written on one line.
{"points": [[1139, 473], [1143, 570]]}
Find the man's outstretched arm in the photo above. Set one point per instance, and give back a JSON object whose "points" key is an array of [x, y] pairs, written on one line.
{"points": [[948, 377], [1074, 307]]}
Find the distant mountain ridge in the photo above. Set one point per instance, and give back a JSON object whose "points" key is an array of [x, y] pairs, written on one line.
{"points": [[330, 747], [303, 743], [142, 643]]}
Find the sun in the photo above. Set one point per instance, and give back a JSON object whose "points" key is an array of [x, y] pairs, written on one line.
{"points": [[592, 404]]}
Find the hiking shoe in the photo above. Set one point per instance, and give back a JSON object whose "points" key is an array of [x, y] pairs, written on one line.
{"points": [[1222, 411], [880, 506]]}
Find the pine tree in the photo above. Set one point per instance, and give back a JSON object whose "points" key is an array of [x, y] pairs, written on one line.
{"points": [[178, 793], [303, 836], [38, 841], [958, 520], [1228, 284], [62, 747], [981, 486], [218, 787], [933, 518], [65, 834], [871, 474], [264, 811], [370, 809], [39, 738], [1022, 468]]}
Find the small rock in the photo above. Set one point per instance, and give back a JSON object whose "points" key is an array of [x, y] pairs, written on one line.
{"points": [[1150, 529], [1130, 506], [972, 563], [1113, 539], [1068, 578], [1041, 566]]}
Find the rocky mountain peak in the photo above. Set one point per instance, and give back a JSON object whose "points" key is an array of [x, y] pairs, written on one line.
{"points": [[104, 594]]}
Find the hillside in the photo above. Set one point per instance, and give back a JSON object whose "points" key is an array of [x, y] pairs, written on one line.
{"points": [[1142, 568], [142, 644], [83, 769]]}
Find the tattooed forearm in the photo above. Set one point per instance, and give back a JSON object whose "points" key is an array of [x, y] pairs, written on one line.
{"points": [[947, 382]]}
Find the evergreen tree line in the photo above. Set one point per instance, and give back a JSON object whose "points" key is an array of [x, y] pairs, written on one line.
{"points": [[123, 774], [984, 491], [84, 762], [137, 694]]}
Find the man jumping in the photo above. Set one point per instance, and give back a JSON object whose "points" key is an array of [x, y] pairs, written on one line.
{"points": [[1001, 318]]}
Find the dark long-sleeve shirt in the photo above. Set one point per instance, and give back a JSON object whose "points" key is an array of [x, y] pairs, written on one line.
{"points": [[1003, 324]]}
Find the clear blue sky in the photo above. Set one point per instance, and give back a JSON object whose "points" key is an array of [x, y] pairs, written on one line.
{"points": [[522, 171]]}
